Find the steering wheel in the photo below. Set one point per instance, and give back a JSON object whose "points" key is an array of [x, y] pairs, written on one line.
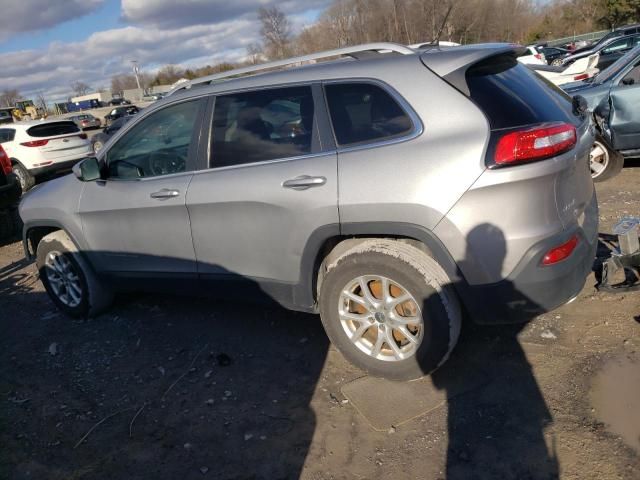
{"points": [[165, 163]]}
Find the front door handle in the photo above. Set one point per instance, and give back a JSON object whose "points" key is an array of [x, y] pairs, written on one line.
{"points": [[303, 182], [165, 193]]}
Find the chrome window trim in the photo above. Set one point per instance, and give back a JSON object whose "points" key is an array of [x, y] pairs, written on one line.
{"points": [[265, 162], [416, 131]]}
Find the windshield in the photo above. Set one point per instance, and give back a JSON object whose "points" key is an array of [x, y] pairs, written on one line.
{"points": [[615, 68]]}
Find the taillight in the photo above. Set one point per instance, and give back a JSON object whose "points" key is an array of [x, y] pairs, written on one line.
{"points": [[83, 136], [536, 143], [538, 56], [5, 163], [559, 253], [582, 76], [35, 143]]}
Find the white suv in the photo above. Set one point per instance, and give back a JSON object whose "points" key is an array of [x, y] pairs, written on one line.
{"points": [[39, 148]]}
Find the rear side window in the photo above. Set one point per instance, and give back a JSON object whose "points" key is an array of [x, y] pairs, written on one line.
{"points": [[512, 95], [365, 113], [53, 129], [7, 134], [262, 125]]}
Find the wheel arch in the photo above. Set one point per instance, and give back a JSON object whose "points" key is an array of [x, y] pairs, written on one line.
{"points": [[34, 232], [329, 243]]}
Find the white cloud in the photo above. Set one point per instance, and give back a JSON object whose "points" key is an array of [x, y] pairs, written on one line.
{"points": [[107, 53], [110, 52], [20, 16], [171, 13]]}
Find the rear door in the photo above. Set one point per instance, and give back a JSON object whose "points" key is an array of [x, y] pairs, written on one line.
{"points": [[269, 185], [624, 116]]}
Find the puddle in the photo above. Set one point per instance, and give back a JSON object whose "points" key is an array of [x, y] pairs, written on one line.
{"points": [[615, 396]]}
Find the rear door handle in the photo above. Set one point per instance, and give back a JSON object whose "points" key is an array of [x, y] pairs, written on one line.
{"points": [[303, 182], [165, 193]]}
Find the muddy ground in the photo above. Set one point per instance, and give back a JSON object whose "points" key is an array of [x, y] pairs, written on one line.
{"points": [[167, 387]]}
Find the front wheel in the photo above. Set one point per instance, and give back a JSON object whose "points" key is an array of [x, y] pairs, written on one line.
{"points": [[68, 278], [604, 162], [390, 309]]}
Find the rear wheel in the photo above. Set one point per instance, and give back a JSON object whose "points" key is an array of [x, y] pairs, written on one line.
{"points": [[604, 162], [390, 309], [27, 181], [68, 278]]}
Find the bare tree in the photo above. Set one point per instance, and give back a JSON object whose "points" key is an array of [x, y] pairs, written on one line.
{"points": [[254, 53], [9, 97], [122, 82], [80, 88], [276, 32], [41, 103]]}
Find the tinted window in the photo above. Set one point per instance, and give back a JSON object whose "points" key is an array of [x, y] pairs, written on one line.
{"points": [[362, 112], [158, 145], [262, 125], [512, 95], [615, 68], [53, 129], [7, 134]]}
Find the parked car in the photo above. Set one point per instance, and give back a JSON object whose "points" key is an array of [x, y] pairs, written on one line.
{"points": [[618, 32], [613, 96], [532, 56], [86, 121], [581, 69], [238, 198], [554, 55], [101, 138], [10, 192], [119, 101], [42, 148], [119, 112], [609, 51]]}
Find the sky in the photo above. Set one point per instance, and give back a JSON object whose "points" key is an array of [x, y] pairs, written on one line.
{"points": [[46, 45]]}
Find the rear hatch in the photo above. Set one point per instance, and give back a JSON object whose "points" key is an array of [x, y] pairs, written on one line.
{"points": [[516, 100], [58, 140]]}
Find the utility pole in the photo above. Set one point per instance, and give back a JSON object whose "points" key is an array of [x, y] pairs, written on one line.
{"points": [[136, 69]]}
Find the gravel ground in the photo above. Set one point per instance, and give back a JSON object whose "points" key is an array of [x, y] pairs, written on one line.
{"points": [[167, 387]]}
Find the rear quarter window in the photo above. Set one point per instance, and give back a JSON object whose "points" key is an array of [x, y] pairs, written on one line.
{"points": [[512, 95], [53, 129], [365, 113]]}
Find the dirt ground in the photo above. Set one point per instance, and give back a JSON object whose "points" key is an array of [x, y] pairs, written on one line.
{"points": [[167, 387]]}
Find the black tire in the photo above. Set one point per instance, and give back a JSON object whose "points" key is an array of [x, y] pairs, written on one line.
{"points": [[422, 278], [6, 224], [94, 296], [27, 181], [610, 159]]}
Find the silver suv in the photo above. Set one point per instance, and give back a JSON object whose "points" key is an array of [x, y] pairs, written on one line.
{"points": [[386, 191]]}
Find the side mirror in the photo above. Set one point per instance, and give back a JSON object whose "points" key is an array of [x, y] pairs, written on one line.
{"points": [[87, 170]]}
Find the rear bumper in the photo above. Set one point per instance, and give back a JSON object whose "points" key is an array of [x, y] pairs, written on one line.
{"points": [[56, 167], [533, 289], [10, 193]]}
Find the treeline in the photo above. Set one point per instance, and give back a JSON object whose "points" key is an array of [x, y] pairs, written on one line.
{"points": [[352, 22]]}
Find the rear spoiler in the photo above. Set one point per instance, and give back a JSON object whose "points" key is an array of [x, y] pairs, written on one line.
{"points": [[452, 64]]}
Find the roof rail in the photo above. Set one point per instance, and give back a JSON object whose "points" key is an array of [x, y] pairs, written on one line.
{"points": [[380, 47]]}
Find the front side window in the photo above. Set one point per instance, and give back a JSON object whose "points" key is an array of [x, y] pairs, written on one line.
{"points": [[363, 112], [158, 145], [262, 125]]}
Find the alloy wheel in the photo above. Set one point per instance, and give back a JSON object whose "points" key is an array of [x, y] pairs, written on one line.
{"points": [[63, 279], [381, 318]]}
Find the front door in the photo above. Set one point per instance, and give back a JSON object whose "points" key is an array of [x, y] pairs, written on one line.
{"points": [[136, 221], [270, 186]]}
